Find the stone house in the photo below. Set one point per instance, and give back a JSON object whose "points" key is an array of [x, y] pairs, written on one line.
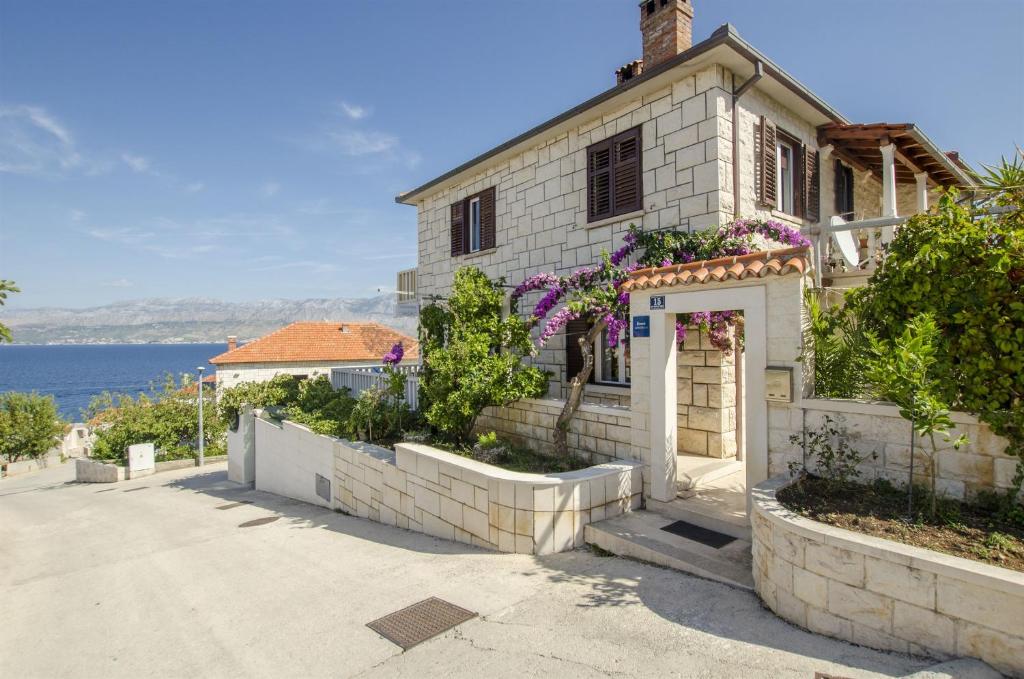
{"points": [[308, 349], [690, 136]]}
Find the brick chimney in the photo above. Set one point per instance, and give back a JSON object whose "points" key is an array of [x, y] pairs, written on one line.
{"points": [[232, 342], [667, 27]]}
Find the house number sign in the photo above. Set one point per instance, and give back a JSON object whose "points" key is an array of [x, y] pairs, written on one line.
{"points": [[657, 302]]}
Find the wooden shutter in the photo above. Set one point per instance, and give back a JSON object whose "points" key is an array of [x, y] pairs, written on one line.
{"points": [[599, 181], [769, 163], [812, 183], [627, 195], [573, 356], [488, 237], [839, 189], [458, 228]]}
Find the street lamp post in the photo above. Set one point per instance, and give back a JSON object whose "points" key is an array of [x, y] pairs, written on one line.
{"points": [[200, 369]]}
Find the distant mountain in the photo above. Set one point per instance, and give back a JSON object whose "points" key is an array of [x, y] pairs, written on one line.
{"points": [[192, 320]]}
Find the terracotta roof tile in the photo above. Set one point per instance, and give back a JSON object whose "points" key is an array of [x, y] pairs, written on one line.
{"points": [[325, 341], [756, 265]]}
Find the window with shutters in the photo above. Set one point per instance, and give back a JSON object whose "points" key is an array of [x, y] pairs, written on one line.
{"points": [[611, 364], [787, 172], [844, 191], [473, 223], [615, 176]]}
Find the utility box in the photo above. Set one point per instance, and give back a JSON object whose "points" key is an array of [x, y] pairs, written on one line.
{"points": [[242, 449], [141, 460]]}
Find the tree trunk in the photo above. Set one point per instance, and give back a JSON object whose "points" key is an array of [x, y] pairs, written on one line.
{"points": [[572, 403]]}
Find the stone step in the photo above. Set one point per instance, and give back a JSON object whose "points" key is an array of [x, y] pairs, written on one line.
{"points": [[692, 471], [638, 535], [704, 514]]}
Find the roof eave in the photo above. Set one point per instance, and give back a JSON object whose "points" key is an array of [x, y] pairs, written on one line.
{"points": [[725, 35]]}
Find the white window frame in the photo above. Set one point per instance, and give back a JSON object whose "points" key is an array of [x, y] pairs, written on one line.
{"points": [[474, 225], [786, 185], [601, 346]]}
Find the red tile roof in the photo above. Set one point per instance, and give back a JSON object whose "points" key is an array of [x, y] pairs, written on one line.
{"points": [[327, 342], [756, 264]]}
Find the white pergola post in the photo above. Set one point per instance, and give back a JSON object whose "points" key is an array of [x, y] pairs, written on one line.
{"points": [[663, 406], [922, 191], [827, 210], [888, 187]]}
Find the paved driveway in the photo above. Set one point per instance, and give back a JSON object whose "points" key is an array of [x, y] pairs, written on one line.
{"points": [[154, 578]]}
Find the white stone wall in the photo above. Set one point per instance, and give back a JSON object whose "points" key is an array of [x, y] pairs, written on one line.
{"points": [[288, 459], [705, 398], [94, 471], [980, 464], [884, 594], [597, 433], [234, 374], [541, 208], [448, 496]]}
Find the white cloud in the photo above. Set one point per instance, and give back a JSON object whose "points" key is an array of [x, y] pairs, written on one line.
{"points": [[270, 189], [118, 283], [136, 163], [77, 215], [354, 111], [194, 187], [355, 143], [33, 142]]}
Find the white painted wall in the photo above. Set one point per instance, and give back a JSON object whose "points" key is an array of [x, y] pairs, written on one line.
{"points": [[288, 459]]}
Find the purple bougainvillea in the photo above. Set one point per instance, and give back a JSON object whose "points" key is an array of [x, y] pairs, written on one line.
{"points": [[394, 357]]}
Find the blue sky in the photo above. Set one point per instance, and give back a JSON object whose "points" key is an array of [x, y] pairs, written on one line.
{"points": [[250, 150]]}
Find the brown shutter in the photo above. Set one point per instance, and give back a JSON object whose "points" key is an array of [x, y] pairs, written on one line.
{"points": [[769, 163], [839, 189], [573, 356], [811, 185], [488, 237], [599, 181], [628, 193], [458, 228]]}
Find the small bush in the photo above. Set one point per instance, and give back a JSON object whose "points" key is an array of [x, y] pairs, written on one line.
{"points": [[828, 454], [29, 425]]}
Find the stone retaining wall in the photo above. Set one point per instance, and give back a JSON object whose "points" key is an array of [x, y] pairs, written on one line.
{"points": [[598, 433], [981, 464], [438, 493], [881, 593], [94, 471]]}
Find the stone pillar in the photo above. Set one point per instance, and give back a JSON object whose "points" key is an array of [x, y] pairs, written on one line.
{"points": [[922, 191], [706, 410], [242, 449]]}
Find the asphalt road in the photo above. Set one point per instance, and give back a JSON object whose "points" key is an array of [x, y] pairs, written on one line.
{"points": [[158, 577]]}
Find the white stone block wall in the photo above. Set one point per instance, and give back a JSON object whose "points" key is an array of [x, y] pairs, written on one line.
{"points": [[597, 433], [706, 398], [884, 594], [980, 464], [541, 207], [289, 457], [94, 471], [448, 496]]}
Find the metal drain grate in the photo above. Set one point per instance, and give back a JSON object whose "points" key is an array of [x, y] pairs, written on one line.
{"points": [[419, 622], [235, 504], [697, 534], [259, 522]]}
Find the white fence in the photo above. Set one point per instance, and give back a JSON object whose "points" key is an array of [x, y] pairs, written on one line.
{"points": [[358, 380]]}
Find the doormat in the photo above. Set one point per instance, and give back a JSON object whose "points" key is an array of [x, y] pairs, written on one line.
{"points": [[704, 536], [419, 622]]}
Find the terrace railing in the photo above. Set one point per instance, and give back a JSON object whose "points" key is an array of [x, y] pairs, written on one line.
{"points": [[359, 379]]}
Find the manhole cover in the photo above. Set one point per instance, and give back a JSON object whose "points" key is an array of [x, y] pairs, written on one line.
{"points": [[419, 622], [259, 522], [697, 534], [235, 504]]}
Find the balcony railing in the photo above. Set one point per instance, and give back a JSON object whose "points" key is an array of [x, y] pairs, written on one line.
{"points": [[357, 380], [851, 249]]}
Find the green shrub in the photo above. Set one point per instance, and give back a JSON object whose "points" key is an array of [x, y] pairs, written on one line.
{"points": [[473, 357], [29, 425], [281, 390], [168, 417], [322, 408]]}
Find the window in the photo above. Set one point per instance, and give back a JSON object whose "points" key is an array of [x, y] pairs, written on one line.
{"points": [[784, 158], [614, 176], [473, 223], [787, 173], [844, 191], [612, 363]]}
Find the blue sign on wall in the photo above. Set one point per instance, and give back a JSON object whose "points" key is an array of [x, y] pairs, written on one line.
{"points": [[641, 326], [657, 302]]}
